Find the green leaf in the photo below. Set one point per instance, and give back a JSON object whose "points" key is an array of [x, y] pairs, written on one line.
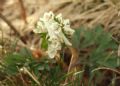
{"points": [[12, 61], [44, 43], [76, 38], [99, 45], [111, 62], [11, 70], [14, 58], [26, 53]]}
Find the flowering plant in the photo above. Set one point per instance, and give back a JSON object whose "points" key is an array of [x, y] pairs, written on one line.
{"points": [[58, 31]]}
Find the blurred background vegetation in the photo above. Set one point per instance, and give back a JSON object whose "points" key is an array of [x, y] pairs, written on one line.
{"points": [[97, 38]]}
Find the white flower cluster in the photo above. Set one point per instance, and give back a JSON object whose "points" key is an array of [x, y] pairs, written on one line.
{"points": [[57, 29]]}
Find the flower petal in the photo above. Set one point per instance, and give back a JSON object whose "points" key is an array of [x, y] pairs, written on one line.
{"points": [[53, 48], [40, 28]]}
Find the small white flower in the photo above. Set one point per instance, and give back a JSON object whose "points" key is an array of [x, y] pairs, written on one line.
{"points": [[40, 28], [66, 22], [59, 18], [57, 29], [53, 47], [61, 37], [68, 30], [48, 17]]}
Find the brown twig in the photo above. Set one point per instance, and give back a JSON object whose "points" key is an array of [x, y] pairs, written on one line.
{"points": [[23, 11], [12, 27]]}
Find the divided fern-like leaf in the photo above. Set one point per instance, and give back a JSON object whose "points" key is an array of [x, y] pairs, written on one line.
{"points": [[98, 44]]}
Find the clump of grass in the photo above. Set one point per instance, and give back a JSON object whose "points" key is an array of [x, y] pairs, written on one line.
{"points": [[97, 60]]}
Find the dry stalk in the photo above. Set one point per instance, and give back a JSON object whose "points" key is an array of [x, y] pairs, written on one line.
{"points": [[74, 59], [34, 78], [105, 68], [13, 28], [23, 11]]}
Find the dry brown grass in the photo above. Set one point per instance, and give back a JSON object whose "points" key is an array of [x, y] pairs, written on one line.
{"points": [[86, 13]]}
